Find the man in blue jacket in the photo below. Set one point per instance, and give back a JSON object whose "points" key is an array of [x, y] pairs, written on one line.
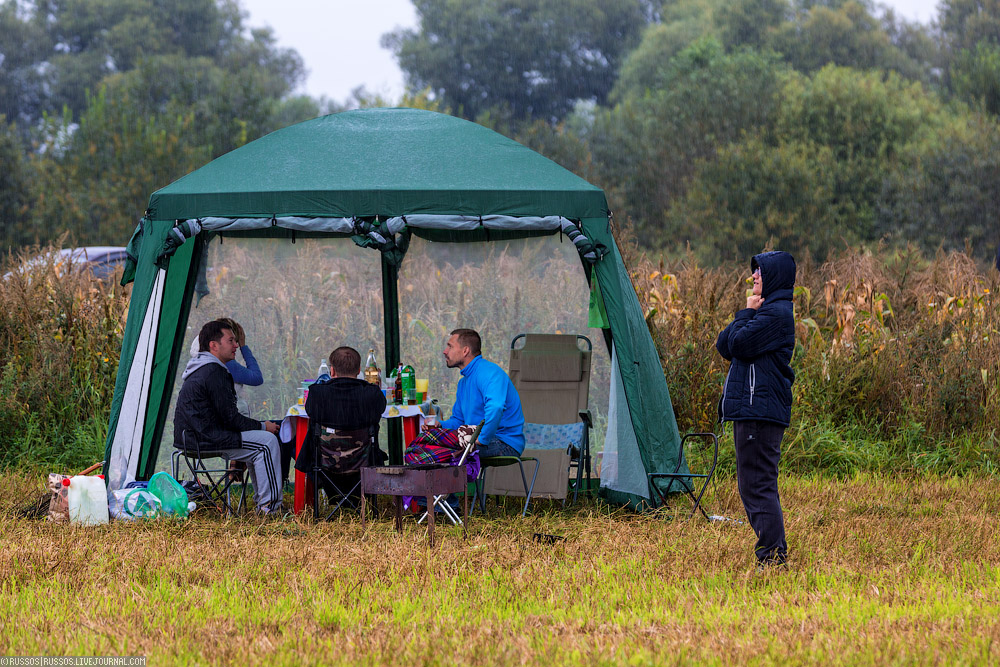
{"points": [[757, 396], [485, 393]]}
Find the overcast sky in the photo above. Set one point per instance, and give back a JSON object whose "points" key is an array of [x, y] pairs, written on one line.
{"points": [[339, 39]]}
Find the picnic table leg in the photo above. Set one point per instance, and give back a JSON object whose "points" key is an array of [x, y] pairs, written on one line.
{"points": [[303, 484], [399, 513], [411, 426], [363, 512]]}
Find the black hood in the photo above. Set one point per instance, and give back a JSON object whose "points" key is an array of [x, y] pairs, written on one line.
{"points": [[777, 271]]}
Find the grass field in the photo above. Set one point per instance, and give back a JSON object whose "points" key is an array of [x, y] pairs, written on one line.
{"points": [[883, 571]]}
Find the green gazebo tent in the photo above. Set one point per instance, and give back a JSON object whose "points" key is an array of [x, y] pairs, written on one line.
{"points": [[379, 176]]}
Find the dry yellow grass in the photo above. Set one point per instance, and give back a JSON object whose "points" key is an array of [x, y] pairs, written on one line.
{"points": [[883, 571]]}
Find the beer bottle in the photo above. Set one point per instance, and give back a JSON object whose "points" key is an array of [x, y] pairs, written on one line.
{"points": [[372, 373]]}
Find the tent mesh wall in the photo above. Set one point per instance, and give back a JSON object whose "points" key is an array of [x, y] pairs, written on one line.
{"points": [[297, 301]]}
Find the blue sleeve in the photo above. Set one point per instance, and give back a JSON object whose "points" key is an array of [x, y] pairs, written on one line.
{"points": [[251, 375], [494, 390], [456, 418]]}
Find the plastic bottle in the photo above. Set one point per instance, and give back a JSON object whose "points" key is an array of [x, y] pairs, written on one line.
{"points": [[372, 373], [323, 374], [409, 384], [88, 500]]}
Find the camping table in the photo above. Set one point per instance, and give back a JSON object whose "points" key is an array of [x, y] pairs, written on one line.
{"points": [[428, 481], [297, 422]]}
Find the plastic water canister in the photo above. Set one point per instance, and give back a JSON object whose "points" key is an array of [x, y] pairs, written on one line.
{"points": [[88, 500]]}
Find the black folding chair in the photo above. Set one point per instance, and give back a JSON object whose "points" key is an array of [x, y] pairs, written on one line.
{"points": [[342, 438], [340, 476], [684, 479], [215, 484]]}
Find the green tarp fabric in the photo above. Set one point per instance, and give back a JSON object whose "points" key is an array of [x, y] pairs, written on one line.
{"points": [[642, 375], [384, 163]]}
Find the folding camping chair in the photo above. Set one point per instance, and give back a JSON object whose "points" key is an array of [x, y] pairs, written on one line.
{"points": [[340, 442], [684, 479], [439, 501], [217, 482], [552, 376]]}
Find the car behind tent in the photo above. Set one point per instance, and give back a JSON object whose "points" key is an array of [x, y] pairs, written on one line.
{"points": [[380, 176]]}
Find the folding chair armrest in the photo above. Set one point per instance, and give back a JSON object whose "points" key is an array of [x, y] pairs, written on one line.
{"points": [[587, 418], [479, 429]]}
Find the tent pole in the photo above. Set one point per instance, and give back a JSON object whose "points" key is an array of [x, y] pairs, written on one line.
{"points": [[390, 321]]}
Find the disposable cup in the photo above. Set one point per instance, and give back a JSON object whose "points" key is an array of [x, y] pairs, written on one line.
{"points": [[421, 385]]}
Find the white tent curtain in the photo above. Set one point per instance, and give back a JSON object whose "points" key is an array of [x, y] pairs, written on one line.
{"points": [[621, 467], [127, 443]]}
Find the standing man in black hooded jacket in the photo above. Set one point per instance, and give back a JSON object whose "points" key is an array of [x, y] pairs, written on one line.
{"points": [[757, 396]]}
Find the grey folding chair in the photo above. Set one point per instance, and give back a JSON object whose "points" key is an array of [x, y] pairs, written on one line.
{"points": [[551, 373]]}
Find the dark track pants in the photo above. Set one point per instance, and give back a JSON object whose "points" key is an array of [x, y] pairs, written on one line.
{"points": [[758, 450]]}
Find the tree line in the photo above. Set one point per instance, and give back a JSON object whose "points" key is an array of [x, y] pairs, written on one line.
{"points": [[717, 126]]}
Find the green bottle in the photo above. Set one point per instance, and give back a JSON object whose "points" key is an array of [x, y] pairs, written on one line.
{"points": [[409, 385]]}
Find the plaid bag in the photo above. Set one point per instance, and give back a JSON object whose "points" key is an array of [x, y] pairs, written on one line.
{"points": [[433, 445], [441, 445]]}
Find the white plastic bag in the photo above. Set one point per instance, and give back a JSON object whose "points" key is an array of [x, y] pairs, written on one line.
{"points": [[130, 504]]}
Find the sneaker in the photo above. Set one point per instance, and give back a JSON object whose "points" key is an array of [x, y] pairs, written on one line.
{"points": [[275, 514]]}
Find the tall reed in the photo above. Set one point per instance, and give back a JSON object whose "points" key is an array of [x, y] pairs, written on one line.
{"points": [[897, 356], [60, 337]]}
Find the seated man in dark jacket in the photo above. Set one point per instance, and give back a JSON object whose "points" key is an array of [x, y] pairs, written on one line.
{"points": [[344, 414], [206, 410], [757, 396]]}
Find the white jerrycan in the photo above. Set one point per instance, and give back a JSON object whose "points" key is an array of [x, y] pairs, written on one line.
{"points": [[88, 500]]}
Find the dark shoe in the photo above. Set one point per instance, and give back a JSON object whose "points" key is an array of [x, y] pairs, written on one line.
{"points": [[772, 565]]}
